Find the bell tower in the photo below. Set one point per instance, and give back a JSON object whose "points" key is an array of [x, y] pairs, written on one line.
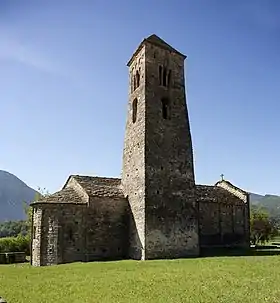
{"points": [[158, 172]]}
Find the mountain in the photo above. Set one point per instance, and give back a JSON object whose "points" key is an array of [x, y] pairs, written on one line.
{"points": [[269, 202], [13, 194], [255, 197]]}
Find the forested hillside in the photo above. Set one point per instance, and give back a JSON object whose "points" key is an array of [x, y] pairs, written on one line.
{"points": [[271, 203]]}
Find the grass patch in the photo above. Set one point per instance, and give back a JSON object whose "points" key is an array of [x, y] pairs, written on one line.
{"points": [[217, 279]]}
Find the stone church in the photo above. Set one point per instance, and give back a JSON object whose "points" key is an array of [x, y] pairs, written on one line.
{"points": [[155, 210]]}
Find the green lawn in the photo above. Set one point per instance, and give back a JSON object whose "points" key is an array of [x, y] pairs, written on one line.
{"points": [[218, 279]]}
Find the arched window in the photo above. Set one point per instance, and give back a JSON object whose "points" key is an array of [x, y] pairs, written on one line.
{"points": [[134, 110], [137, 79], [165, 108], [164, 76]]}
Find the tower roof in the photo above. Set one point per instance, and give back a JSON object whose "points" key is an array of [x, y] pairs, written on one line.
{"points": [[157, 41]]}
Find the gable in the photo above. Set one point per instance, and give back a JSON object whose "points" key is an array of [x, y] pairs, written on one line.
{"points": [[216, 194], [72, 183], [100, 186], [238, 192]]}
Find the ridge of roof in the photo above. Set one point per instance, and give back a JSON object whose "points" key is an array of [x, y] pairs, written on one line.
{"points": [[100, 186], [232, 185], [211, 192], [155, 40]]}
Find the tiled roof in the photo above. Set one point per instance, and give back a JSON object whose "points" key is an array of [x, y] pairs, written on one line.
{"points": [[66, 195], [99, 186], [231, 185], [154, 39], [205, 193], [93, 186]]}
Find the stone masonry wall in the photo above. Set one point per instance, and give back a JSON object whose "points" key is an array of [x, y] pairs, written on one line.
{"points": [[171, 215], [71, 233], [68, 232], [106, 229], [240, 213], [222, 218], [171, 232], [133, 171], [59, 237], [36, 240]]}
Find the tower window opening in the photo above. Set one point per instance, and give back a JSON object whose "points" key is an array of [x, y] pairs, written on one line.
{"points": [[134, 110], [137, 79], [160, 74], [164, 77], [165, 108], [131, 83], [169, 78], [134, 83]]}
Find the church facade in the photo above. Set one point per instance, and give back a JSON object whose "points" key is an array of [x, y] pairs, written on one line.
{"points": [[155, 210]]}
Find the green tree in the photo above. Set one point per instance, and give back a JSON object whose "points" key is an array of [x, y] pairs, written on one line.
{"points": [[263, 228], [41, 193], [13, 228]]}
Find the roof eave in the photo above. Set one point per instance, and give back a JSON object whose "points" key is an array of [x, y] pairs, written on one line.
{"points": [[67, 181], [153, 43], [136, 52], [56, 203]]}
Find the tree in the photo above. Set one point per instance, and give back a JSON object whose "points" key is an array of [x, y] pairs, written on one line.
{"points": [[13, 228], [263, 228], [41, 193]]}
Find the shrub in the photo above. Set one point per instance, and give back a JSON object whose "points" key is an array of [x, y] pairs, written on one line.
{"points": [[15, 244]]}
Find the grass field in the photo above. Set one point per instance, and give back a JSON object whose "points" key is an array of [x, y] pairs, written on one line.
{"points": [[217, 279]]}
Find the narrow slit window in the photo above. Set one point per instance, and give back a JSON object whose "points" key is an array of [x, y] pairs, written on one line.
{"points": [[165, 108], [134, 82], [169, 78], [134, 110], [137, 79], [131, 83], [164, 77], [160, 74]]}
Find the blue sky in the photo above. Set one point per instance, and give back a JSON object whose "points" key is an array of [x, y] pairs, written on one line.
{"points": [[64, 86]]}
